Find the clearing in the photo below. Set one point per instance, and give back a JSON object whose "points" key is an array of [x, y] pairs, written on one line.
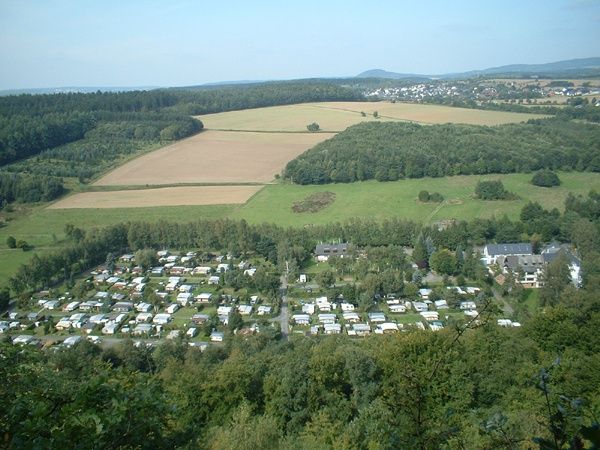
{"points": [[168, 196], [215, 157]]}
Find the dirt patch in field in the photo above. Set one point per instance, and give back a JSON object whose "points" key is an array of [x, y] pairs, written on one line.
{"points": [[169, 196], [314, 202], [215, 157]]}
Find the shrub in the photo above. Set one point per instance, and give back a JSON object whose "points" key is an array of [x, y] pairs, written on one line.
{"points": [[492, 190], [545, 178], [313, 127], [424, 196]]}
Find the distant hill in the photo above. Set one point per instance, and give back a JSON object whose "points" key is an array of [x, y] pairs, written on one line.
{"points": [[79, 89], [380, 73], [582, 66]]}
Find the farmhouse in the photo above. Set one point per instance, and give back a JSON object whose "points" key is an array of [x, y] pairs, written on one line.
{"points": [[324, 251], [529, 268]]}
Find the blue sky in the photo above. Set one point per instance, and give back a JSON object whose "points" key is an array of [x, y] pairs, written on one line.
{"points": [[51, 43]]}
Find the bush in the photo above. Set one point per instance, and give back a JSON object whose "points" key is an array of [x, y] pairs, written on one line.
{"points": [[436, 197], [313, 127], [492, 190], [424, 196], [11, 242], [545, 178]]}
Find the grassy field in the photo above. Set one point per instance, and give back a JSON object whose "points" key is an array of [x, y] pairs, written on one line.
{"points": [[377, 200], [337, 116]]}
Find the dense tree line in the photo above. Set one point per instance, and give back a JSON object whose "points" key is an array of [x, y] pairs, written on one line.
{"points": [[25, 135], [484, 387], [28, 189], [391, 151]]}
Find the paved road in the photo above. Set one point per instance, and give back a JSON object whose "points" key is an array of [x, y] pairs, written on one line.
{"points": [[283, 317]]}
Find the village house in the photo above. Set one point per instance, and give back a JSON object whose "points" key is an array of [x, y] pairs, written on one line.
{"points": [[324, 251], [491, 252]]}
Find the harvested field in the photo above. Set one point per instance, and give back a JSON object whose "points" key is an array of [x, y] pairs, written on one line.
{"points": [[169, 196], [215, 157], [337, 116]]}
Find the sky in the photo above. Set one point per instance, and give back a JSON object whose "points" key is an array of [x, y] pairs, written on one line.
{"points": [[60, 43]]}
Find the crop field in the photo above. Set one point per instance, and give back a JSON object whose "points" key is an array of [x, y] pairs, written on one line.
{"points": [[167, 196], [337, 116], [215, 157]]}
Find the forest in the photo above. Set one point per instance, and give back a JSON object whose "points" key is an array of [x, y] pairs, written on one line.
{"points": [[390, 151], [82, 135]]}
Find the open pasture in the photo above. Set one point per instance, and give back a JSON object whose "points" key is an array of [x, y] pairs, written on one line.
{"points": [[215, 157], [337, 116], [167, 196]]}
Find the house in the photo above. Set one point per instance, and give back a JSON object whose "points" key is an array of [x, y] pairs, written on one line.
{"points": [[324, 251], [51, 305], [528, 270], [327, 318], [201, 270], [122, 306], [23, 339], [90, 304], [323, 304], [224, 310], [98, 318], [440, 304], [425, 293], [214, 279], [430, 315], [467, 305], [78, 320], [172, 308], [347, 306], [436, 325], [216, 336], [71, 341], [308, 308], [351, 317], [204, 297], [186, 288], [245, 310], [199, 319], [110, 328], [397, 308], [184, 298], [491, 252], [142, 328], [264, 309], [376, 317], [71, 306], [301, 319], [191, 332], [552, 251], [420, 306], [63, 324], [143, 307], [161, 319], [332, 328], [361, 329], [387, 327], [173, 334], [143, 317]]}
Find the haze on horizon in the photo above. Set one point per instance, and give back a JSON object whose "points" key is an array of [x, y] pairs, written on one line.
{"points": [[154, 43]]}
